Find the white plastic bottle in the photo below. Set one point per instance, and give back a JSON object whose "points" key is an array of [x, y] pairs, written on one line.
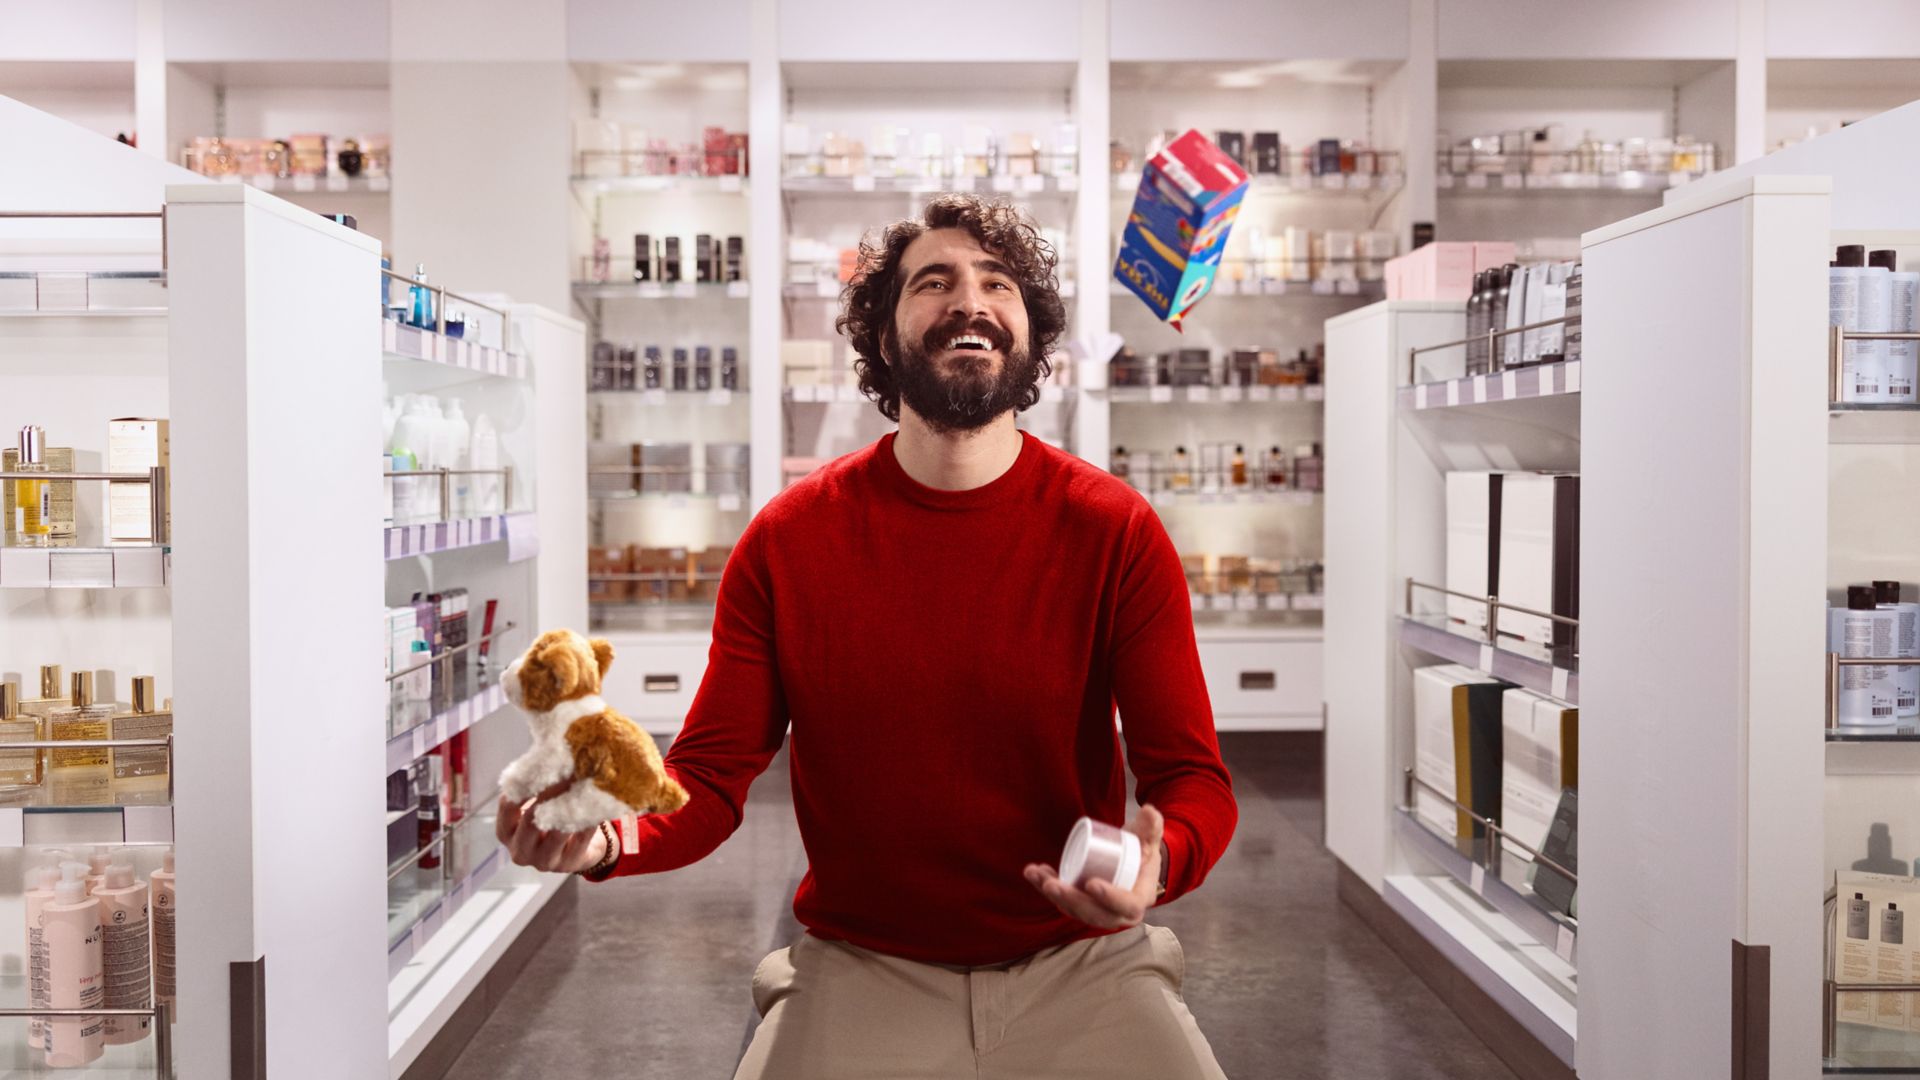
{"points": [[1851, 305], [1906, 645], [459, 453], [412, 442], [74, 975], [484, 453], [97, 861], [1866, 692], [38, 894], [1903, 357], [126, 954], [165, 977]]}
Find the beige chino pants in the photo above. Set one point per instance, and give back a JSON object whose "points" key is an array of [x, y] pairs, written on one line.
{"points": [[1104, 1009]]}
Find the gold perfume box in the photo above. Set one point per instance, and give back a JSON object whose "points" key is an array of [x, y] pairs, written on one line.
{"points": [[134, 445], [58, 459]]}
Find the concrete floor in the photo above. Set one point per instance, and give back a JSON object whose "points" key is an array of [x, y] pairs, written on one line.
{"points": [[650, 976]]}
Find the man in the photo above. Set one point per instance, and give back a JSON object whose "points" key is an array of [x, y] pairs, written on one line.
{"points": [[948, 619]]}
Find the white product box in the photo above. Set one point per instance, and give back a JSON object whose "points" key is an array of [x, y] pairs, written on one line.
{"points": [[1439, 714], [135, 445], [1473, 502], [1538, 552], [1539, 750], [1870, 945]]}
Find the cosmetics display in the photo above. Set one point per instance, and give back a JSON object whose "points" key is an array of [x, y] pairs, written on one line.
{"points": [[1510, 297], [309, 155], [658, 259], [1869, 945], [1876, 622], [1544, 154], [1202, 367], [1868, 292], [38, 513], [1265, 153], [816, 265], [633, 574], [1221, 468], [1238, 577], [428, 628], [423, 432], [1516, 536], [1298, 255], [625, 366], [165, 908], [603, 148], [134, 445], [981, 152]]}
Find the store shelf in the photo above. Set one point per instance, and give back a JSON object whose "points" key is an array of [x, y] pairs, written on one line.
{"points": [[1862, 1050], [144, 817], [1523, 977], [1276, 289], [1336, 184], [1624, 183], [317, 185], [417, 741], [1513, 384], [1212, 395], [517, 531], [411, 343], [1288, 497], [1883, 425], [728, 503], [678, 399], [644, 185], [1431, 634], [658, 290], [651, 617], [917, 185], [90, 293], [414, 921], [1256, 603], [1499, 890], [144, 566]]}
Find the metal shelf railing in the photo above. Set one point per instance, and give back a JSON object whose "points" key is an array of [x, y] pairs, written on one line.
{"points": [[441, 294], [438, 657], [155, 476], [445, 476], [161, 1014], [1494, 607], [1500, 835], [439, 841], [1413, 377], [1836, 344], [1835, 662]]}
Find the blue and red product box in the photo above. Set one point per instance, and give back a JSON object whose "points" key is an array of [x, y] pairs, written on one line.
{"points": [[1189, 195]]}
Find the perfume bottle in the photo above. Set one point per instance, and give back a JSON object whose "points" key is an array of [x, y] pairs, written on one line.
{"points": [[1276, 469], [350, 158], [651, 370], [1119, 468], [32, 499], [1182, 478], [18, 768], [81, 718], [1239, 466], [421, 299], [729, 369], [51, 696], [143, 720], [602, 259], [273, 160]]}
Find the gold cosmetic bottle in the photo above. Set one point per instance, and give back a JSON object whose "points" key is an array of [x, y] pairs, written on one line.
{"points": [[52, 695], [18, 768], [145, 720], [80, 719]]}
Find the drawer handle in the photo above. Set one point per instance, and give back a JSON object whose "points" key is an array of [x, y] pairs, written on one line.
{"points": [[662, 684], [1256, 680]]}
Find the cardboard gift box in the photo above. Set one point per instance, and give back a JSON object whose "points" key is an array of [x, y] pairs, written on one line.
{"points": [[1190, 194]]}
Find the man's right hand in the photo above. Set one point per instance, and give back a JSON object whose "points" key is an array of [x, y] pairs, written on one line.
{"points": [[556, 852]]}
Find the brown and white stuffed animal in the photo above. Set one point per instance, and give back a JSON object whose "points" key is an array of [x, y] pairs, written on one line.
{"points": [[614, 765]]}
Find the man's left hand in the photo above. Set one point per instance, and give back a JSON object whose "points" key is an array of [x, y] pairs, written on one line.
{"points": [[1101, 903]]}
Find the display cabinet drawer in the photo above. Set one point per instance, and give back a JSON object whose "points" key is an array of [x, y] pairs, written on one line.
{"points": [[655, 684], [1258, 679]]}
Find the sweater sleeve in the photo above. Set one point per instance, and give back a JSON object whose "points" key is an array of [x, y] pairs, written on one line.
{"points": [[1165, 716], [736, 724]]}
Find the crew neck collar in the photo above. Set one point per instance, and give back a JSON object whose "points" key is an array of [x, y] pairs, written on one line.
{"points": [[993, 492]]}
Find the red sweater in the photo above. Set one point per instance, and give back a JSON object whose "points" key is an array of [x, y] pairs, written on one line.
{"points": [[950, 662]]}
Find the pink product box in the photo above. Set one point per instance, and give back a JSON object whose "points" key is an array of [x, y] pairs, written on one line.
{"points": [[1489, 254], [1443, 271]]}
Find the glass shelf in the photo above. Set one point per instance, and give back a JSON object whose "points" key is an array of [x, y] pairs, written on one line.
{"points": [[1213, 395], [650, 617], [317, 185], [1504, 887], [1276, 288], [660, 290], [419, 729], [1512, 384], [1337, 184], [1441, 637], [420, 901], [919, 185], [641, 185], [1861, 1050], [676, 398], [1621, 183], [140, 566], [400, 342], [91, 293], [432, 537], [1872, 424]]}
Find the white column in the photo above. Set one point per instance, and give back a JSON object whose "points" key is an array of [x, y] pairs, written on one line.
{"points": [[1093, 260], [766, 252], [1750, 82], [150, 78]]}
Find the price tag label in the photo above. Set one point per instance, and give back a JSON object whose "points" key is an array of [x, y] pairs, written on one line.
{"points": [[1200, 393], [1513, 181], [1160, 395], [1220, 602], [652, 290], [1033, 183], [685, 290], [1477, 392], [1286, 393], [1558, 683], [1563, 943], [729, 504], [1309, 602], [1334, 181], [736, 290], [1067, 182], [863, 183], [1297, 498], [303, 182], [523, 541], [1509, 385], [1002, 183], [1273, 286], [389, 335], [13, 827], [848, 395], [1477, 880], [1232, 394], [1486, 659], [804, 392], [629, 834], [1453, 392], [1360, 181], [1276, 601], [729, 184], [721, 396], [1420, 396], [1476, 181], [337, 184], [1246, 601], [655, 396], [1259, 393], [1570, 377]]}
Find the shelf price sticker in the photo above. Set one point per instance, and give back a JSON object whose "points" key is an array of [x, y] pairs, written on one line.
{"points": [[1002, 183], [847, 394], [1246, 602], [1453, 392], [1317, 392], [1310, 602], [1035, 182], [1200, 393], [1486, 659], [1477, 389], [1477, 181], [303, 182], [720, 396], [1286, 393], [1231, 394], [1512, 181], [1477, 880], [1509, 385], [1563, 943], [1160, 395], [1276, 601], [1557, 684], [1259, 393], [651, 290], [685, 290], [962, 183], [1360, 181], [1420, 396], [13, 827], [1221, 602], [655, 396], [523, 540], [337, 184]]}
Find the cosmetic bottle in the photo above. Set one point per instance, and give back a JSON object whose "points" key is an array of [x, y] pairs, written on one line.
{"points": [[1118, 466], [459, 438], [126, 954], [80, 719], [143, 720], [426, 788], [35, 898], [71, 924], [53, 694], [97, 862], [483, 456], [420, 298], [1276, 470], [1181, 478], [1862, 374], [602, 260], [1876, 313], [1902, 357], [1866, 692], [681, 369], [729, 368], [32, 499], [703, 261], [1477, 326], [413, 442], [734, 259], [652, 374], [164, 975], [350, 159], [642, 257], [18, 768], [1892, 926], [703, 368], [1239, 467], [1858, 911], [1906, 645], [1497, 315], [670, 262]]}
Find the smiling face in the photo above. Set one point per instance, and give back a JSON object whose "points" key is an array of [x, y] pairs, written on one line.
{"points": [[958, 342]]}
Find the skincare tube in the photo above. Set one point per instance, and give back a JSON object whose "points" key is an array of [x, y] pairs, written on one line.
{"points": [[38, 894], [164, 972]]}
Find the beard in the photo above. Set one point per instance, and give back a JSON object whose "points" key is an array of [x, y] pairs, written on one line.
{"points": [[963, 392]]}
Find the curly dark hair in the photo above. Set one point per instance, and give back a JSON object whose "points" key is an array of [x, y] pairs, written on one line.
{"points": [[1004, 232]]}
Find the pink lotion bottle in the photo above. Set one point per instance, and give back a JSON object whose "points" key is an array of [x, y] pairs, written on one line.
{"points": [[126, 954], [164, 974], [38, 894], [72, 926]]}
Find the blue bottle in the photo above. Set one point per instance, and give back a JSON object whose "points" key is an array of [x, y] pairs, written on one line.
{"points": [[422, 298]]}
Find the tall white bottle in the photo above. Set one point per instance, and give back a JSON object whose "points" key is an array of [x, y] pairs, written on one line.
{"points": [[459, 456], [74, 973], [1866, 692], [1862, 367], [38, 894], [165, 977], [127, 954], [97, 861], [484, 453], [412, 441]]}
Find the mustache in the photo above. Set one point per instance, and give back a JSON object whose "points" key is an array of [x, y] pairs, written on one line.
{"points": [[936, 339]]}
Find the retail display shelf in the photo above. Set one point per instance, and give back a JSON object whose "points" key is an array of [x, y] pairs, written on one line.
{"points": [[1512, 384], [135, 567], [1523, 977], [1623, 183], [321, 185], [677, 398], [848, 394], [1276, 288], [427, 917], [402, 342], [92, 293], [1496, 887], [1283, 497], [1212, 395], [1894, 733], [1353, 184], [918, 185], [651, 617], [1432, 635], [1873, 424], [1258, 603], [640, 185], [146, 817], [415, 742], [517, 531], [660, 290], [725, 503], [830, 290]]}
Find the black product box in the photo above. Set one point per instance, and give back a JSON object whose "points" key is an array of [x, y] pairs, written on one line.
{"points": [[734, 267], [1562, 847], [703, 368], [606, 367], [652, 376], [1126, 369], [679, 369], [1192, 367], [1327, 157], [729, 368], [670, 263], [1233, 144], [642, 257], [1267, 158], [703, 259], [1244, 368], [624, 367]]}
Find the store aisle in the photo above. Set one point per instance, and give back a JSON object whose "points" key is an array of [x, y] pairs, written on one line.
{"points": [[1284, 980]]}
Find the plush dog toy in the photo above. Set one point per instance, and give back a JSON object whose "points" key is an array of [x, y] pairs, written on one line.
{"points": [[613, 764]]}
